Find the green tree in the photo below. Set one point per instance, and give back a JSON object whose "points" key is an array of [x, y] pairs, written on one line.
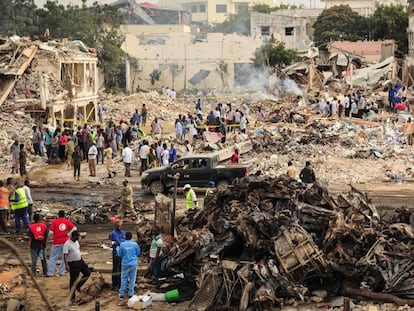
{"points": [[339, 23], [262, 8], [97, 26], [390, 22], [235, 23], [16, 17], [273, 54]]}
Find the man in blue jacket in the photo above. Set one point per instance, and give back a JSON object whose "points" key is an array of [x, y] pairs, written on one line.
{"points": [[129, 252]]}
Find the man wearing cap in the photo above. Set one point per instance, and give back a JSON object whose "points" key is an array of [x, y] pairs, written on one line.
{"points": [[190, 197], [74, 263], [127, 203]]}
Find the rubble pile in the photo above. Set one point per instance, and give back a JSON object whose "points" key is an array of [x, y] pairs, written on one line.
{"points": [[269, 241]]}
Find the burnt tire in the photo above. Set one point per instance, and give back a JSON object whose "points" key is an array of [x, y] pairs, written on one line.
{"points": [[156, 187]]}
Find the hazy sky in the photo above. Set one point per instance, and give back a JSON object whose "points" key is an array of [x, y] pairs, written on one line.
{"points": [[306, 3]]}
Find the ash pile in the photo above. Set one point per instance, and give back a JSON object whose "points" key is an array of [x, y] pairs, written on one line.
{"points": [[265, 242]]}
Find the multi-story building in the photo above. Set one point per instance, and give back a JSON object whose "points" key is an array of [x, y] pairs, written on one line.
{"points": [[212, 11], [363, 7]]}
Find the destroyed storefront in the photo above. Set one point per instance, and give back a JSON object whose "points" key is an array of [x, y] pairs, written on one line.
{"points": [[55, 82]]}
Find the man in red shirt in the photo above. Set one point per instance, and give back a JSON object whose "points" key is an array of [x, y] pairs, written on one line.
{"points": [[235, 157], [61, 229], [38, 236]]}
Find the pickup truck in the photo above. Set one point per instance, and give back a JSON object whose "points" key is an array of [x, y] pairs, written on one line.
{"points": [[195, 170]]}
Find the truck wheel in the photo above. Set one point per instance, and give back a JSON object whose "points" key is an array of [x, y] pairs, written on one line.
{"points": [[222, 185], [156, 187]]}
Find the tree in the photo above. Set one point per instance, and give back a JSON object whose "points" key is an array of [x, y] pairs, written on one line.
{"points": [[235, 23], [390, 22], [273, 54], [339, 23], [16, 17]]}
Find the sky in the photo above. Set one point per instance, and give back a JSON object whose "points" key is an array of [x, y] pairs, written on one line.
{"points": [[306, 3]]}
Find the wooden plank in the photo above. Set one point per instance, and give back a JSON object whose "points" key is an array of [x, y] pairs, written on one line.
{"points": [[11, 82]]}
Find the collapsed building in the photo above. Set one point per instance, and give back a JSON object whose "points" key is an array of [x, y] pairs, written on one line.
{"points": [[56, 82]]}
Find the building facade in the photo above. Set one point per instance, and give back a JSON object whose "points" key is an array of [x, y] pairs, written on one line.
{"points": [[180, 60], [294, 27], [212, 11]]}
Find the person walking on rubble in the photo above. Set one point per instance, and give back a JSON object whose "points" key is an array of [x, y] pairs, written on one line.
{"points": [[127, 157], [191, 202], [38, 235], [156, 255], [29, 199], [92, 154], [76, 162], [409, 130], [108, 160], [144, 113], [307, 175], [70, 148], [74, 263], [127, 202], [117, 237], [22, 160], [128, 251], [19, 204], [60, 228], [15, 153]]}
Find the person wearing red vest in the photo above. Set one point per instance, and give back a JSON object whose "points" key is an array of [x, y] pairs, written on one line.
{"points": [[38, 236], [61, 228]]}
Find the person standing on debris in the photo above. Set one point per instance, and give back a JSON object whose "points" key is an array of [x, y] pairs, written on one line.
{"points": [[108, 160], [74, 263], [347, 104], [144, 113], [188, 149], [70, 148], [127, 202], [100, 142], [38, 235], [210, 189], [243, 123], [29, 199], [117, 237], [18, 204], [76, 162], [4, 207], [92, 153], [48, 134], [101, 109], [156, 255], [54, 148], [165, 155], [173, 154], [63, 140], [260, 117], [143, 156], [307, 175], [127, 157], [60, 228], [15, 153], [36, 137], [156, 128], [409, 130], [235, 157], [22, 160], [291, 171], [129, 252], [190, 197], [178, 129]]}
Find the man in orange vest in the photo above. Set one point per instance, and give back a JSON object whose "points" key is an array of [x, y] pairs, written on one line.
{"points": [[4, 207], [38, 235]]}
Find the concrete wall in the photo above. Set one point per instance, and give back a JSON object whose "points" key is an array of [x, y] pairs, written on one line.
{"points": [[188, 58], [210, 15], [293, 27]]}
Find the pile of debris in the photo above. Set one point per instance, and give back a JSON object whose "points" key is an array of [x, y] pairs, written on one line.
{"points": [[269, 241]]}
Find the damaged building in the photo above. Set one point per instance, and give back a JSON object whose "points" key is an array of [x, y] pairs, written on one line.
{"points": [[173, 56], [54, 81]]}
